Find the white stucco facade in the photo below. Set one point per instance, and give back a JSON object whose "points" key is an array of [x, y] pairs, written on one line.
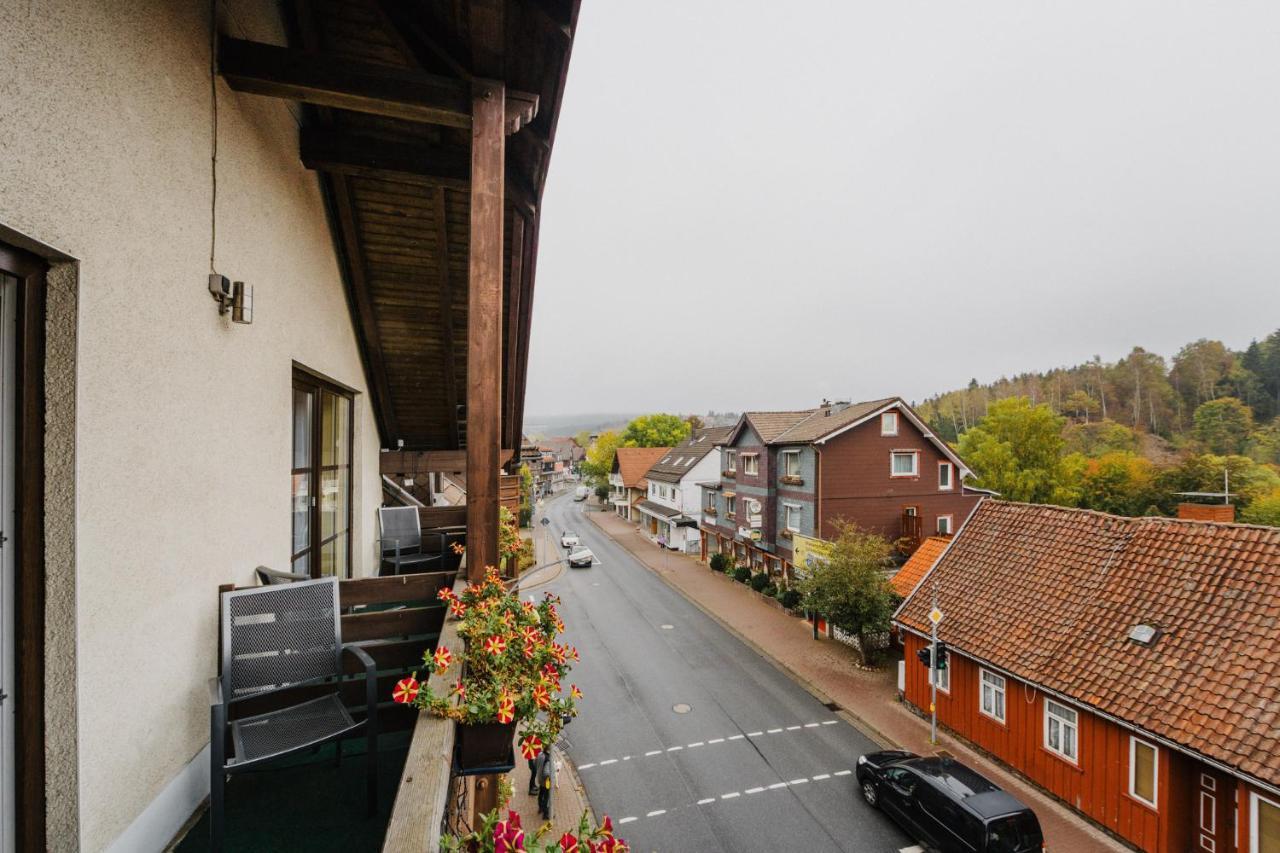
{"points": [[181, 420], [684, 497]]}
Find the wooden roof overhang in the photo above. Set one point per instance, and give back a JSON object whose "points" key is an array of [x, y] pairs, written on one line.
{"points": [[387, 87]]}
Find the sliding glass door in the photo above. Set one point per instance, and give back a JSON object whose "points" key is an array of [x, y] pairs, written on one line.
{"points": [[321, 477]]}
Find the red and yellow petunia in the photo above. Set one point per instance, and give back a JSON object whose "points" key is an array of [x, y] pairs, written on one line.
{"points": [[531, 747], [458, 548], [495, 645], [460, 690], [528, 650], [506, 710], [541, 696], [443, 657], [574, 692], [569, 843], [557, 652], [444, 593], [406, 690], [572, 652], [457, 608]]}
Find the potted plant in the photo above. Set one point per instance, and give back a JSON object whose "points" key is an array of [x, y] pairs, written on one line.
{"points": [[507, 836], [510, 674]]}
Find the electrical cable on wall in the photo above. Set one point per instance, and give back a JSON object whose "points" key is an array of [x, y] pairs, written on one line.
{"points": [[213, 160]]}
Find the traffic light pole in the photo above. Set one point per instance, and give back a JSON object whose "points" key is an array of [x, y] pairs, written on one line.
{"points": [[933, 684]]}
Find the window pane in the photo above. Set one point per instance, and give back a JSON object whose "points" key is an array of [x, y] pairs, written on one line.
{"points": [[903, 463], [1268, 827], [301, 511], [1144, 771], [302, 401], [302, 565], [335, 491], [335, 440]]}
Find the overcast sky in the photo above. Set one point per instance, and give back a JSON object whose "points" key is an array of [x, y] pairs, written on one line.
{"points": [[756, 205]]}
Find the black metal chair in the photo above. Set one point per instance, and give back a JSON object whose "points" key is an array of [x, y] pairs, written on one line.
{"points": [[401, 543], [268, 576], [274, 638]]}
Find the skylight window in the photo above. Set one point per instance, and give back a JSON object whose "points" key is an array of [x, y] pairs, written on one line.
{"points": [[1144, 634]]}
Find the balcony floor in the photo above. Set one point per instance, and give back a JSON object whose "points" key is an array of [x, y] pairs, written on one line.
{"points": [[307, 802]]}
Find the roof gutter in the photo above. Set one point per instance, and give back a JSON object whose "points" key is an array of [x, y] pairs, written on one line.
{"points": [[1070, 700]]}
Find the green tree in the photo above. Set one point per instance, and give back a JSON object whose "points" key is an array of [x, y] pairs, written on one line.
{"points": [[1099, 437], [1264, 444], [1120, 482], [1017, 451], [1201, 372], [1264, 510], [1248, 480], [1080, 405], [851, 588], [599, 459], [1223, 424], [526, 495], [657, 430]]}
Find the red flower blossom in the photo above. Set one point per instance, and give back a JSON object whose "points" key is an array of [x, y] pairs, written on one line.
{"points": [[444, 593], [531, 746], [495, 645], [574, 692], [541, 696], [406, 690], [443, 658], [457, 608], [506, 710]]}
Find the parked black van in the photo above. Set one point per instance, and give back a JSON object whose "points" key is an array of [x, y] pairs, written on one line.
{"points": [[947, 806]]}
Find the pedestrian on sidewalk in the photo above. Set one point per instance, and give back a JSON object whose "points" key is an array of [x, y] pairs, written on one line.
{"points": [[533, 776], [543, 777]]}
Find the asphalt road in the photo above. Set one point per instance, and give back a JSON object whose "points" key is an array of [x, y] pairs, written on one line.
{"points": [[686, 737]]}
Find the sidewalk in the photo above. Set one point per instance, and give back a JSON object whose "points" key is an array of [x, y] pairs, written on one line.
{"points": [[568, 799], [828, 669]]}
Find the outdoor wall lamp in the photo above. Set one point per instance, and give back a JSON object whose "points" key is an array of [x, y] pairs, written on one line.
{"points": [[232, 296]]}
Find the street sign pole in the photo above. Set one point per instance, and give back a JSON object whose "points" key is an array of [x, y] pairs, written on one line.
{"points": [[935, 616]]}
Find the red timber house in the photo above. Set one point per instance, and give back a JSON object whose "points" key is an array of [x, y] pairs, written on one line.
{"points": [[874, 463], [1129, 666]]}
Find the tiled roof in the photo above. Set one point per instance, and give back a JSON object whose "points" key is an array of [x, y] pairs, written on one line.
{"points": [[633, 462], [657, 509], [1051, 595], [681, 458], [770, 425], [820, 423], [921, 561]]}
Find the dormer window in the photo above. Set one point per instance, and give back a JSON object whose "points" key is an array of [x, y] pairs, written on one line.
{"points": [[889, 423]]}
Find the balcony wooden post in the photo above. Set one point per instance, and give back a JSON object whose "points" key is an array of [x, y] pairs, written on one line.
{"points": [[484, 326]]}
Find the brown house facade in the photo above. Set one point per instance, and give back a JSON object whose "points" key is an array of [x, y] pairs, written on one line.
{"points": [[874, 463], [1129, 666]]}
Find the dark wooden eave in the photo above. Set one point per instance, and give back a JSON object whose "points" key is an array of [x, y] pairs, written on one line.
{"points": [[387, 91]]}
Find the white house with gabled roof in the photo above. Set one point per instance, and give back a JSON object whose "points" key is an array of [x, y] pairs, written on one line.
{"points": [[671, 513]]}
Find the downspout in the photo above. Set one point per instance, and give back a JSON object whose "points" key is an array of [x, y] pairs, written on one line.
{"points": [[817, 490]]}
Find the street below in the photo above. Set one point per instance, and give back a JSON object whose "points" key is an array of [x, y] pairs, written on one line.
{"points": [[688, 739]]}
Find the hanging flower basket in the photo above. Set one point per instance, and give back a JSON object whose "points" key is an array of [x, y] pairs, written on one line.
{"points": [[485, 745]]}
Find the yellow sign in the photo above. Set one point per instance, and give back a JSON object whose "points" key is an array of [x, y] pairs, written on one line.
{"points": [[808, 552], [935, 616]]}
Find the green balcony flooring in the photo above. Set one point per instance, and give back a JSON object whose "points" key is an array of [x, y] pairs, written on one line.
{"points": [[308, 802]]}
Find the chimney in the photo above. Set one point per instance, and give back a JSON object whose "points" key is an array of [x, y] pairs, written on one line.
{"points": [[1206, 512]]}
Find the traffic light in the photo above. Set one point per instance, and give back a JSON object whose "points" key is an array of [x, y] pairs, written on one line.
{"points": [[925, 657], [942, 655]]}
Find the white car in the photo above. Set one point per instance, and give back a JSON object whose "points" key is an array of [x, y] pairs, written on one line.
{"points": [[581, 558], [568, 539]]}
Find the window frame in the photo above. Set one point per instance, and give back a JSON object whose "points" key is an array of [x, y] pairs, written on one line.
{"points": [[1003, 690], [941, 675], [312, 382], [951, 525], [951, 477], [886, 417], [731, 461], [731, 506], [788, 456], [1134, 740], [1074, 724], [786, 516], [751, 464], [1255, 828], [915, 463]]}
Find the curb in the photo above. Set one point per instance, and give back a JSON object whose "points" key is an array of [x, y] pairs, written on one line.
{"points": [[577, 783], [870, 731]]}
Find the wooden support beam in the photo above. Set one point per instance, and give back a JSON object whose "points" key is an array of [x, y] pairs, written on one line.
{"points": [[445, 283], [511, 374], [343, 153], [362, 303], [484, 327], [413, 463], [281, 72], [558, 14]]}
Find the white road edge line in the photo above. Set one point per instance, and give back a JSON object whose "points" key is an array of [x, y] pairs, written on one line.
{"points": [[586, 766], [699, 743], [729, 796], [736, 737], [707, 800], [755, 734], [656, 812], [830, 722], [774, 731], [625, 820], [843, 772], [716, 740], [811, 725], [776, 785], [674, 748], [608, 761], [821, 776], [754, 790], [793, 728], [653, 752], [797, 781]]}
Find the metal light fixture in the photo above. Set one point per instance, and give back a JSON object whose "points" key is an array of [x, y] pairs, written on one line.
{"points": [[235, 297]]}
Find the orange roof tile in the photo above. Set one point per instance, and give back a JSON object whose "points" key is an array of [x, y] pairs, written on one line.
{"points": [[634, 462], [1051, 595], [919, 564]]}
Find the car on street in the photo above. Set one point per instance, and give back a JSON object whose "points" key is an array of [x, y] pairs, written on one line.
{"points": [[581, 493], [947, 806], [581, 558], [568, 539]]}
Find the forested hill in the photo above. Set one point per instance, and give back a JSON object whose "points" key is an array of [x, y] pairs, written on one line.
{"points": [[1127, 437], [1142, 391]]}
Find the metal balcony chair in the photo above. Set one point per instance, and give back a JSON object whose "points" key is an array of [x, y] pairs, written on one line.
{"points": [[401, 543], [273, 638], [267, 576]]}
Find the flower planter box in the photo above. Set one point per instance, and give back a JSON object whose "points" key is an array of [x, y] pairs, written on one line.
{"points": [[709, 511], [486, 746], [784, 534], [792, 480], [729, 475]]}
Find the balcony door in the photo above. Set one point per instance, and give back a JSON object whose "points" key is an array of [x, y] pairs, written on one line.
{"points": [[321, 477]]}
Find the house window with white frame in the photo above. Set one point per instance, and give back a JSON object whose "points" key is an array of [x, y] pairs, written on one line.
{"points": [[991, 702], [889, 423], [1144, 769], [904, 463], [791, 463], [731, 461], [750, 464], [943, 676], [1264, 824], [944, 525], [1061, 728], [791, 517], [730, 506], [945, 472], [711, 502]]}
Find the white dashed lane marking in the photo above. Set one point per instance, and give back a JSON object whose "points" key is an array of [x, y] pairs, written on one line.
{"points": [[699, 743], [733, 795]]}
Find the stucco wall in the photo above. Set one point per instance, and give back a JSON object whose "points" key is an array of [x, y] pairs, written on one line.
{"points": [[182, 449]]}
